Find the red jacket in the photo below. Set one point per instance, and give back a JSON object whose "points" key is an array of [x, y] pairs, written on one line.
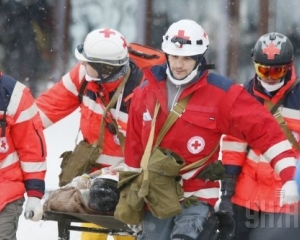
{"points": [[258, 185], [63, 98], [22, 144], [217, 107]]}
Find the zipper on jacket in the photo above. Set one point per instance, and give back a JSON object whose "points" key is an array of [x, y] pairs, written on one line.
{"points": [[42, 146]]}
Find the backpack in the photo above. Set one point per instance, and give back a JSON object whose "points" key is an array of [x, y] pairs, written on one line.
{"points": [[143, 56]]}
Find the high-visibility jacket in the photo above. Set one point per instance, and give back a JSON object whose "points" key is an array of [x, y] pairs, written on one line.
{"points": [[258, 185], [63, 98], [216, 107], [22, 144]]}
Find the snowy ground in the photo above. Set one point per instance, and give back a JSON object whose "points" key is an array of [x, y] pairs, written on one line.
{"points": [[60, 137]]}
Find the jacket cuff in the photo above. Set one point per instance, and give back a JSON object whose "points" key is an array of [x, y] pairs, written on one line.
{"points": [[35, 193], [287, 174]]}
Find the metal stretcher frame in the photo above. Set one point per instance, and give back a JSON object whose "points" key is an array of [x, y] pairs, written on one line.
{"points": [[64, 222]]}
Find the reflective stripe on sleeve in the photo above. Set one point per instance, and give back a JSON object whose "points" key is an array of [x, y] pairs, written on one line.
{"points": [[234, 146], [109, 160], [9, 160], [277, 149], [204, 193], [283, 163], [27, 114], [69, 85], [45, 120], [15, 98], [33, 166]]}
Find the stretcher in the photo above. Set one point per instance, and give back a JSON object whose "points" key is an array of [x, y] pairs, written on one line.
{"points": [[65, 224]]}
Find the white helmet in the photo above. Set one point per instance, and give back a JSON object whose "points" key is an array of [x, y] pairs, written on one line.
{"points": [[185, 38], [103, 46]]}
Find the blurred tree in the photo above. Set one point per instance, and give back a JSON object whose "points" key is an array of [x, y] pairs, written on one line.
{"points": [[233, 43], [60, 41], [25, 33]]}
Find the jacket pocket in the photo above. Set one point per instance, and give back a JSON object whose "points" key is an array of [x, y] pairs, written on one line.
{"points": [[205, 119]]}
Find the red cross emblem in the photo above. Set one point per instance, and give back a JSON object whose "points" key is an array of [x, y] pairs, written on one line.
{"points": [[195, 144], [181, 35], [271, 50], [124, 42], [3, 145], [107, 32]]}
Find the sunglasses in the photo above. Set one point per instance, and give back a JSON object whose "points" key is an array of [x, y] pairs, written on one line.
{"points": [[271, 72]]}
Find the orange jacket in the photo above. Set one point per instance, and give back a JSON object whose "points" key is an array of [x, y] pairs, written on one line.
{"points": [[22, 143], [62, 99], [258, 186]]}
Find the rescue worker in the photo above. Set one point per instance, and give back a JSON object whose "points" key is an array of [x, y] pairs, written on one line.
{"points": [[251, 190], [104, 61], [22, 156], [216, 106]]}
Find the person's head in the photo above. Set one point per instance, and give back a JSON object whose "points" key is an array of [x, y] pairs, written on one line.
{"points": [[104, 195], [185, 44], [105, 55], [272, 57]]}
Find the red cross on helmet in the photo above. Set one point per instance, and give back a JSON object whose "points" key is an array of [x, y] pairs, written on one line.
{"points": [[185, 38], [273, 49], [103, 46]]}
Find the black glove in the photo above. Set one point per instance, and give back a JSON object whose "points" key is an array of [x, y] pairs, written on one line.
{"points": [[227, 190], [213, 171]]}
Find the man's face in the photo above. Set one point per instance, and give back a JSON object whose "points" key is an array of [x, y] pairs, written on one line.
{"points": [[181, 66]]}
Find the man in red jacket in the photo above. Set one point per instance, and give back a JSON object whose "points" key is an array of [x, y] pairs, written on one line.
{"points": [[22, 156], [90, 85], [252, 189], [216, 106]]}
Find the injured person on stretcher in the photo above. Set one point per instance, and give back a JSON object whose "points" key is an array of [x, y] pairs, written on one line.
{"points": [[91, 198]]}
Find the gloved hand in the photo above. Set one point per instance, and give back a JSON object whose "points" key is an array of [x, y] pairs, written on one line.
{"points": [[227, 190], [213, 171], [33, 209], [289, 193]]}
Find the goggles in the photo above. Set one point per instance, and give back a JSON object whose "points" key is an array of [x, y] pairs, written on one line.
{"points": [[105, 69], [271, 72]]}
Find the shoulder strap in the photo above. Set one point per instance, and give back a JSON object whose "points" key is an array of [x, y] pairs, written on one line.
{"points": [[174, 113], [148, 149], [81, 89], [282, 123], [107, 108], [201, 161], [276, 106]]}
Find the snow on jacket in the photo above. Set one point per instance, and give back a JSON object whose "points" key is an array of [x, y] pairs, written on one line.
{"points": [[22, 144], [62, 99], [217, 106], [258, 186]]}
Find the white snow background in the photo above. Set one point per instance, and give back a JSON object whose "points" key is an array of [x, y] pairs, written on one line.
{"points": [[60, 137]]}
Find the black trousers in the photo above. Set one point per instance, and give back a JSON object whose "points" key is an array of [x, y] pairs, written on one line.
{"points": [[253, 225]]}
